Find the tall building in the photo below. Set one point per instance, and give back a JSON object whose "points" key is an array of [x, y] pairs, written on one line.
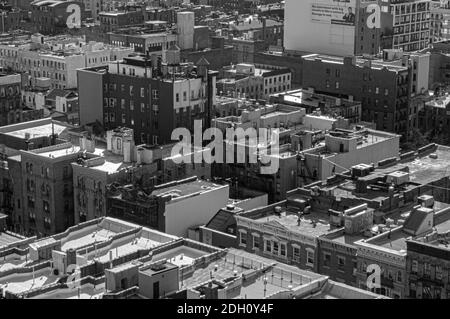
{"points": [[427, 264], [383, 88], [348, 27], [44, 205], [440, 21], [55, 16], [143, 94], [10, 98]]}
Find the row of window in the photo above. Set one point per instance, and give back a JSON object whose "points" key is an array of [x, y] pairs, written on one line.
{"points": [[276, 248]]}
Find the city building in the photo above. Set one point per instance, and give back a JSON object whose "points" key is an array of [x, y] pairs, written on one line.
{"points": [[165, 207], [356, 27], [122, 163], [56, 58], [427, 263], [245, 80], [327, 104], [91, 247], [383, 88], [64, 102], [55, 16], [307, 153], [440, 21], [10, 98], [143, 94], [303, 232], [11, 18], [112, 20], [389, 252]]}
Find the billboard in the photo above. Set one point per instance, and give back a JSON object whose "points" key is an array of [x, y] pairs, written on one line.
{"points": [[335, 12], [321, 26]]}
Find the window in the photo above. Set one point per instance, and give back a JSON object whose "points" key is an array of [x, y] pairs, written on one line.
{"points": [[309, 257], [438, 272], [275, 249], [255, 241], [296, 253], [414, 266], [399, 276], [267, 246], [327, 259], [283, 250], [242, 238], [341, 261], [427, 269], [142, 92], [177, 97]]}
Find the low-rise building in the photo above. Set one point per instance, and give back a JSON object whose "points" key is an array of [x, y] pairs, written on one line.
{"points": [[165, 207], [245, 80]]}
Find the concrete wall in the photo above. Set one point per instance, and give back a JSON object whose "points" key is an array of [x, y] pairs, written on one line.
{"points": [[195, 210], [90, 89], [168, 282]]}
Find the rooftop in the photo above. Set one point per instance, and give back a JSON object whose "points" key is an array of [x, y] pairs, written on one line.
{"points": [[312, 223], [236, 263], [37, 131], [185, 189], [424, 168], [8, 238], [358, 61]]}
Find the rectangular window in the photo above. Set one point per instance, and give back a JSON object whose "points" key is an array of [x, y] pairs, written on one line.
{"points": [[283, 250], [310, 257], [296, 254], [255, 242], [242, 238], [427, 269], [341, 261], [327, 259], [268, 246], [414, 266], [438, 272], [275, 249]]}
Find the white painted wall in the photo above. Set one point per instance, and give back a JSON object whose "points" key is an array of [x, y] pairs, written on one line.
{"points": [[181, 214]]}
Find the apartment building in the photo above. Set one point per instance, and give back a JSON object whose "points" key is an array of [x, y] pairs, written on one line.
{"points": [[383, 88], [56, 58], [245, 80], [139, 93]]}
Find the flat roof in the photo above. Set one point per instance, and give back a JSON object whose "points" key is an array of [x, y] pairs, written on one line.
{"points": [[424, 169], [396, 240], [86, 291], [185, 189], [38, 131], [8, 238], [237, 262], [181, 256], [314, 224]]}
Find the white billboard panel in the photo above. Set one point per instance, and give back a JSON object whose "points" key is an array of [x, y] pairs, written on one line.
{"points": [[320, 26]]}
